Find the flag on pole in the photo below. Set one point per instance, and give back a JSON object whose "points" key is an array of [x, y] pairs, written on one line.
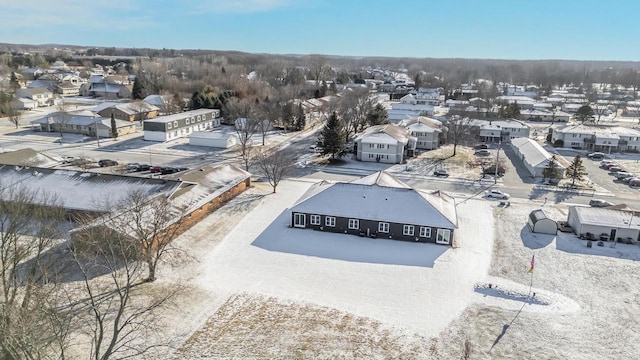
{"points": [[533, 262]]}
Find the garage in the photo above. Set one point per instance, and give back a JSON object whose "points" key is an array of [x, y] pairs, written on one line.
{"points": [[540, 223]]}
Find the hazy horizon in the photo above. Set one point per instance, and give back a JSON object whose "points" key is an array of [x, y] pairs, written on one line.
{"points": [[490, 30]]}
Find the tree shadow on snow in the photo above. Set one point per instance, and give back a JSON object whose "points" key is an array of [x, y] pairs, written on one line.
{"points": [[533, 240], [281, 238]]}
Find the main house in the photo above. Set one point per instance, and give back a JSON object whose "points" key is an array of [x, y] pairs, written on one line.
{"points": [[170, 127], [597, 138], [130, 111], [42, 97], [81, 122], [427, 131], [501, 130], [385, 143], [379, 206]]}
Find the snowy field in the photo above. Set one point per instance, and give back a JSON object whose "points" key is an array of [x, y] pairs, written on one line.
{"points": [[254, 288]]}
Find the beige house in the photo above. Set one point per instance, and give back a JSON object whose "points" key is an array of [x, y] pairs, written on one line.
{"points": [[134, 111], [426, 130], [42, 97], [385, 143]]}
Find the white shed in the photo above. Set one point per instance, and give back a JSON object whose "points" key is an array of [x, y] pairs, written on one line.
{"points": [[534, 157], [216, 139], [540, 223]]}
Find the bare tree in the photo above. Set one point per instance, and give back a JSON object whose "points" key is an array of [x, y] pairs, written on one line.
{"points": [[62, 117], [275, 165], [318, 68], [467, 350], [460, 130], [152, 223], [31, 324], [141, 109], [117, 317], [15, 116], [244, 113], [353, 108]]}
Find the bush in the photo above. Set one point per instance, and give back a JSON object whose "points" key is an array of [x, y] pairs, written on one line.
{"points": [[558, 143]]}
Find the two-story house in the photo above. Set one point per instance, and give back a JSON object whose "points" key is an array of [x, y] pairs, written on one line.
{"points": [[385, 143], [501, 130], [133, 111], [170, 127], [42, 97], [427, 131], [597, 138]]}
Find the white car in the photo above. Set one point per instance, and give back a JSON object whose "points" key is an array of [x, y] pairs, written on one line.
{"points": [[497, 194]]}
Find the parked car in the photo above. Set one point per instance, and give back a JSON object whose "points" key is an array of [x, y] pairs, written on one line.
{"points": [[609, 165], [132, 166], [606, 162], [481, 147], [634, 182], [107, 162], [67, 159], [596, 156], [482, 153], [155, 169], [599, 203], [168, 170], [614, 169], [80, 162], [621, 175], [630, 179], [441, 172], [143, 167], [497, 194]]}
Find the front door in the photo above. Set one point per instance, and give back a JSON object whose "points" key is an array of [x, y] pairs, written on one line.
{"points": [[443, 236], [613, 235], [299, 220]]}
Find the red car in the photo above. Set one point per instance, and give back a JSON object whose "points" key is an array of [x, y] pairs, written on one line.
{"points": [[155, 169]]}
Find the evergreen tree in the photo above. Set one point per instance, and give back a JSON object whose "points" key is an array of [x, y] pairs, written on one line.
{"points": [[584, 114], [114, 129], [138, 92], [332, 138], [301, 118], [377, 116], [576, 171], [552, 170], [13, 82]]}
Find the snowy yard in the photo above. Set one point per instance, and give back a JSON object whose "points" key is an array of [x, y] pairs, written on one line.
{"points": [[254, 288]]}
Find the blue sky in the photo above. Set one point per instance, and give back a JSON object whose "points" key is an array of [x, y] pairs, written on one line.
{"points": [[499, 29]]}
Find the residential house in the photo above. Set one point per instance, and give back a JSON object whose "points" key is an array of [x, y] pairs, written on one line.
{"points": [[81, 122], [380, 206], [597, 138], [42, 97], [614, 224], [501, 130], [23, 104], [31, 73], [534, 157], [131, 111], [522, 101], [385, 143], [538, 114], [170, 127], [427, 131], [412, 105], [67, 88], [109, 91]]}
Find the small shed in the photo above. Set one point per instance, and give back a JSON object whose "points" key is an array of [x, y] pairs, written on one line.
{"points": [[540, 223]]}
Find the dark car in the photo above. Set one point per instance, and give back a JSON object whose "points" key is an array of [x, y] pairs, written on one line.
{"points": [[168, 170], [107, 162], [143, 167], [442, 173], [481, 147], [155, 169]]}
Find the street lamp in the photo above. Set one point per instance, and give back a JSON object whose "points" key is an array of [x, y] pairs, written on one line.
{"points": [[95, 124]]}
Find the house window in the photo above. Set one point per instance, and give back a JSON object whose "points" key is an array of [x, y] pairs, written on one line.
{"points": [[175, 124], [408, 230], [330, 221], [199, 118], [354, 224], [168, 125], [299, 220], [443, 236], [314, 220], [380, 146], [371, 156], [187, 120], [388, 146], [383, 227], [370, 145], [175, 133], [425, 231]]}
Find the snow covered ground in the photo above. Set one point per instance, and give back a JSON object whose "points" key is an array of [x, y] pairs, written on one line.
{"points": [[252, 287]]}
